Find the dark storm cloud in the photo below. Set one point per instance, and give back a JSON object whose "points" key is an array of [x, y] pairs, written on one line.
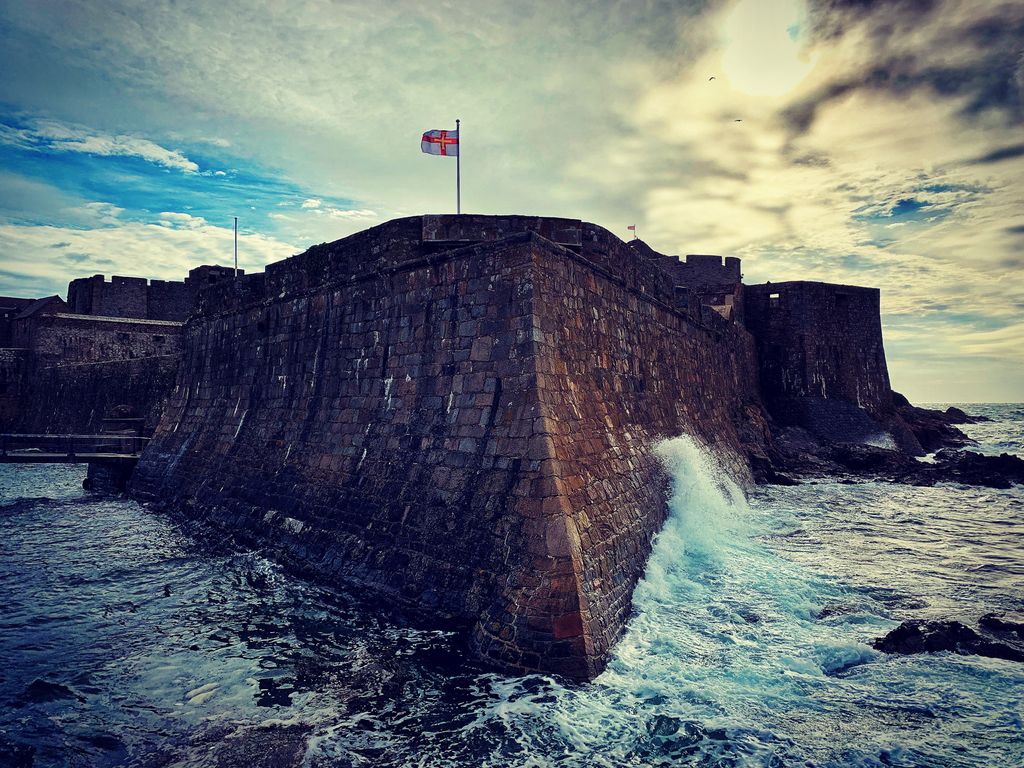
{"points": [[911, 43], [1003, 153], [832, 18]]}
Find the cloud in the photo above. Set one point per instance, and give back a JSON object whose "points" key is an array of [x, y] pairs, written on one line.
{"points": [[1002, 153], [181, 220], [312, 203], [54, 136], [40, 260]]}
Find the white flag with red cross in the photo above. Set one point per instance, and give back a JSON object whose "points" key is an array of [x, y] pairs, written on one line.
{"points": [[444, 143]]}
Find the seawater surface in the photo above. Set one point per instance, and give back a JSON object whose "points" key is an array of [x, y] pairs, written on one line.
{"points": [[127, 640]]}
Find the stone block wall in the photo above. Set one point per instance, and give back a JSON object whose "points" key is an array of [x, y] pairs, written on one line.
{"points": [[63, 338], [714, 280], [13, 376], [820, 350], [74, 399], [616, 372], [168, 300], [10, 307], [136, 297], [466, 432]]}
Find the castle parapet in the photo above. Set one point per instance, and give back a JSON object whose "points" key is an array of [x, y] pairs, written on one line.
{"points": [[404, 243], [142, 299]]}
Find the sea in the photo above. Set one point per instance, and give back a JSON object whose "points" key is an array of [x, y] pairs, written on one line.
{"points": [[127, 639]]}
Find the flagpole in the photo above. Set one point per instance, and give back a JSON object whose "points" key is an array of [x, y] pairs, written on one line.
{"points": [[458, 170]]}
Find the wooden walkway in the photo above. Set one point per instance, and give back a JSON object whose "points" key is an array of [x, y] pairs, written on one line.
{"points": [[70, 449]]}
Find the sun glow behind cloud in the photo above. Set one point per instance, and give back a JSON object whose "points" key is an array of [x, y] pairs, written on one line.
{"points": [[763, 49]]}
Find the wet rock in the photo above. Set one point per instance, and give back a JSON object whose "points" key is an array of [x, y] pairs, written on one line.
{"points": [[971, 468], [918, 636], [42, 691], [956, 416], [799, 456], [1001, 622], [866, 458], [834, 609], [933, 429]]}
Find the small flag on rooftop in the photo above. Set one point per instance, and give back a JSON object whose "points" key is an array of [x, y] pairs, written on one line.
{"points": [[446, 144], [632, 228]]}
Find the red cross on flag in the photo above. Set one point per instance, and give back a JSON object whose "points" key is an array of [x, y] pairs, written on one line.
{"points": [[441, 143]]}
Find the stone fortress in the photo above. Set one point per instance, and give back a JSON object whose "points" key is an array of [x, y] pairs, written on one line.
{"points": [[458, 414]]}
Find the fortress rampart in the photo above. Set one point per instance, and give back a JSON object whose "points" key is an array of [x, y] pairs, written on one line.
{"points": [[822, 362], [459, 414], [137, 297]]}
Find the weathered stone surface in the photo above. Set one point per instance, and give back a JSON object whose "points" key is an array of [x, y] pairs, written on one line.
{"points": [[466, 432], [822, 362], [74, 399], [137, 297], [13, 383]]}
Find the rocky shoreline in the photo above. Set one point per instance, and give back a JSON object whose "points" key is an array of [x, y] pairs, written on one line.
{"points": [[799, 455]]}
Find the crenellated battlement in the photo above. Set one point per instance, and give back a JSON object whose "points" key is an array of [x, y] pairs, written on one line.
{"points": [[141, 298]]}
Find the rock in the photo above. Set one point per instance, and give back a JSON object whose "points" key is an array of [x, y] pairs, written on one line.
{"points": [[933, 429], [999, 622], [42, 691], [868, 459], [917, 636], [955, 416], [973, 468]]}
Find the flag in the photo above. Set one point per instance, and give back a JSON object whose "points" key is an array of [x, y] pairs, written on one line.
{"points": [[441, 143], [631, 227]]}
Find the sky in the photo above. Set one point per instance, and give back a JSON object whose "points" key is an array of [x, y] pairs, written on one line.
{"points": [[870, 142]]}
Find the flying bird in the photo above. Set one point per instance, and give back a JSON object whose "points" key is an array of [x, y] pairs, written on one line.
{"points": [[737, 120], [711, 78]]}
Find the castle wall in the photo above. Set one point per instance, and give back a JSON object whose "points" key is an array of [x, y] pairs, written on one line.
{"points": [[714, 280], [13, 379], [10, 307], [168, 300], [617, 372], [61, 338], [138, 298], [73, 399], [465, 432], [822, 362]]}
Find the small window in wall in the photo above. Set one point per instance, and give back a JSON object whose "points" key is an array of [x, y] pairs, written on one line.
{"points": [[124, 337], [158, 339], [774, 299]]}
